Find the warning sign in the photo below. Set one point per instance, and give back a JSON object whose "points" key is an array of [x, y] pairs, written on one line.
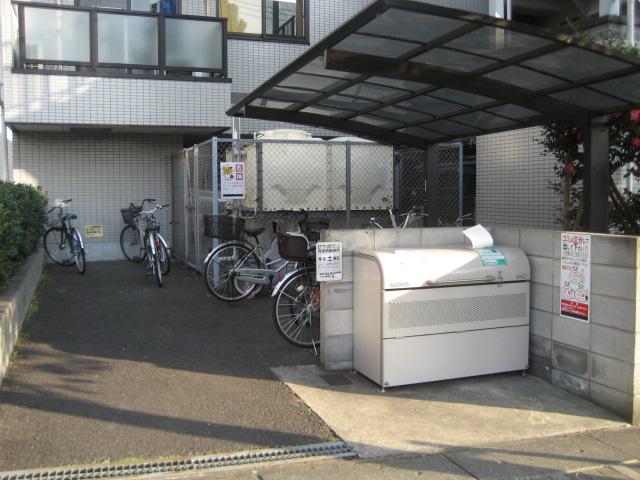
{"points": [[232, 180], [575, 276]]}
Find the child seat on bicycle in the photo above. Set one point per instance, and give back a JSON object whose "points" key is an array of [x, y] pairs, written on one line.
{"points": [[292, 246]]}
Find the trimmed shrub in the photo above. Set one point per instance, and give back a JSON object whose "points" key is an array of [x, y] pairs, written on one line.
{"points": [[22, 220]]}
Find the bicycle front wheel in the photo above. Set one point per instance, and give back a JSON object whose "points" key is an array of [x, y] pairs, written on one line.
{"points": [[78, 251], [57, 246], [296, 309], [221, 271], [131, 244]]}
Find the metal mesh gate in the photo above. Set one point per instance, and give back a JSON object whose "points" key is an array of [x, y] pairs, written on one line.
{"points": [[339, 182]]}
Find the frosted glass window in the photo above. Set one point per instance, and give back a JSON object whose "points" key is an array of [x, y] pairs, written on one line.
{"points": [[127, 39], [56, 35], [194, 44]]}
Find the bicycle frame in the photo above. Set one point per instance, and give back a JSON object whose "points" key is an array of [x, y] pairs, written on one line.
{"points": [[409, 216], [259, 276]]}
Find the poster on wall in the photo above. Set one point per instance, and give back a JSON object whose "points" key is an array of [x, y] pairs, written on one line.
{"points": [[328, 261], [232, 180], [575, 276]]}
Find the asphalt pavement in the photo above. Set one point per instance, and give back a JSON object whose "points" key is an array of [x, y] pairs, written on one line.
{"points": [[120, 378], [116, 368]]}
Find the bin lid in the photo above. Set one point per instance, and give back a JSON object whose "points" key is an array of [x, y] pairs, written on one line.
{"points": [[439, 267]]}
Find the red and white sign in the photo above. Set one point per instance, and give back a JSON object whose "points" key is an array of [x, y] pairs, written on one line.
{"points": [[232, 180], [575, 276]]}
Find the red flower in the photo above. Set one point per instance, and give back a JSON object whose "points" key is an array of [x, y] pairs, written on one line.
{"points": [[570, 169], [635, 142], [635, 116]]}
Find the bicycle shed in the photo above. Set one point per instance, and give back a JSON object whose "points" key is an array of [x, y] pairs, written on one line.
{"points": [[407, 73]]}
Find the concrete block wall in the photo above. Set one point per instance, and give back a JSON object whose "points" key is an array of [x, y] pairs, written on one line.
{"points": [[598, 360], [14, 304]]}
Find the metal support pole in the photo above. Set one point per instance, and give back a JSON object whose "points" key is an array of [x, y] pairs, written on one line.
{"points": [[631, 22], [432, 183], [348, 185], [596, 176]]}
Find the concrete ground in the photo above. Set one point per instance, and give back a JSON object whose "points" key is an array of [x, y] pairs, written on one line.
{"points": [[117, 371]]}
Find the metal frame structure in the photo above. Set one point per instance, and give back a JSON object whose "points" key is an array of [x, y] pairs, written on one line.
{"points": [[408, 73]]}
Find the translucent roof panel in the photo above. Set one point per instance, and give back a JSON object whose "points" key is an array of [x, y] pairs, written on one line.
{"points": [[525, 78], [409, 73], [498, 43], [574, 63], [442, 57]]}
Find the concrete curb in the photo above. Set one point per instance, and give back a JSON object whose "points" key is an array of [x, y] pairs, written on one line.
{"points": [[14, 303]]}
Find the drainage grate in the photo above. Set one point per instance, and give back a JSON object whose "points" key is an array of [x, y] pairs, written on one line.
{"points": [[193, 465]]}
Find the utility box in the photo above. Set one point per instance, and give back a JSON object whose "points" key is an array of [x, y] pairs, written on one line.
{"points": [[434, 314]]}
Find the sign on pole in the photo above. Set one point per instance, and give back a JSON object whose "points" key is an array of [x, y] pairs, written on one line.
{"points": [[232, 180], [575, 276]]}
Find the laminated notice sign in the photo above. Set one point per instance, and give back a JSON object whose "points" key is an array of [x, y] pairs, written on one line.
{"points": [[575, 276], [491, 256], [328, 261], [232, 180]]}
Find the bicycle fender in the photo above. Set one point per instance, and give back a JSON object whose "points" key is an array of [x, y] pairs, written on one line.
{"points": [[209, 255], [284, 279]]}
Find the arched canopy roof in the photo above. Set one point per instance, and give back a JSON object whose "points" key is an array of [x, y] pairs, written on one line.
{"points": [[408, 73]]}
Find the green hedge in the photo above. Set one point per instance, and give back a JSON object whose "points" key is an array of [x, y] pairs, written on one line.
{"points": [[22, 220]]}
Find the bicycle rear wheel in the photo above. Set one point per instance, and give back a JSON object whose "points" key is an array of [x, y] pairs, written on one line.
{"points": [[57, 246], [154, 256], [131, 244], [78, 251], [296, 309], [221, 270]]}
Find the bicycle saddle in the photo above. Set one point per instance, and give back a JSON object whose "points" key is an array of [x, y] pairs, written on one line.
{"points": [[69, 217], [254, 232], [154, 227]]}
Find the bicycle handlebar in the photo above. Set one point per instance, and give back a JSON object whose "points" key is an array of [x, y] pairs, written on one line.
{"points": [[60, 205]]}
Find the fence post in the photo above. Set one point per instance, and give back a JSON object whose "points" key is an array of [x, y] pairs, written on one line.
{"points": [[348, 185]]}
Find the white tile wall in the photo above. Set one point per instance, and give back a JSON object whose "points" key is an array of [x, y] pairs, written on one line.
{"points": [[102, 173]]}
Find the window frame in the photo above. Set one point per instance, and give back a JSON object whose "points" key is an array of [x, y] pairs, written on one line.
{"points": [[96, 68], [270, 37]]}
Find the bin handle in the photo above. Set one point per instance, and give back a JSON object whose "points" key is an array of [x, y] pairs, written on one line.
{"points": [[488, 278]]}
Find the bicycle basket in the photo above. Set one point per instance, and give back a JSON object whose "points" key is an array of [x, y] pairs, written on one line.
{"points": [[311, 228], [223, 227], [292, 247], [54, 218], [128, 214]]}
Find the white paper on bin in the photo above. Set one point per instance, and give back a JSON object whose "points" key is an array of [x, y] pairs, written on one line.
{"points": [[479, 237]]}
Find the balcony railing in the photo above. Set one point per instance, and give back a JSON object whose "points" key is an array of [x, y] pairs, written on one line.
{"points": [[82, 41]]}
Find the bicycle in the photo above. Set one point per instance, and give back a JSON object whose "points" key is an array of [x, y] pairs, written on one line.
{"points": [[458, 222], [410, 216], [237, 268], [296, 298], [131, 238], [143, 239], [63, 242]]}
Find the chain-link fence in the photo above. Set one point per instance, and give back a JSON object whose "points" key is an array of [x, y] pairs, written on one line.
{"points": [[343, 183]]}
